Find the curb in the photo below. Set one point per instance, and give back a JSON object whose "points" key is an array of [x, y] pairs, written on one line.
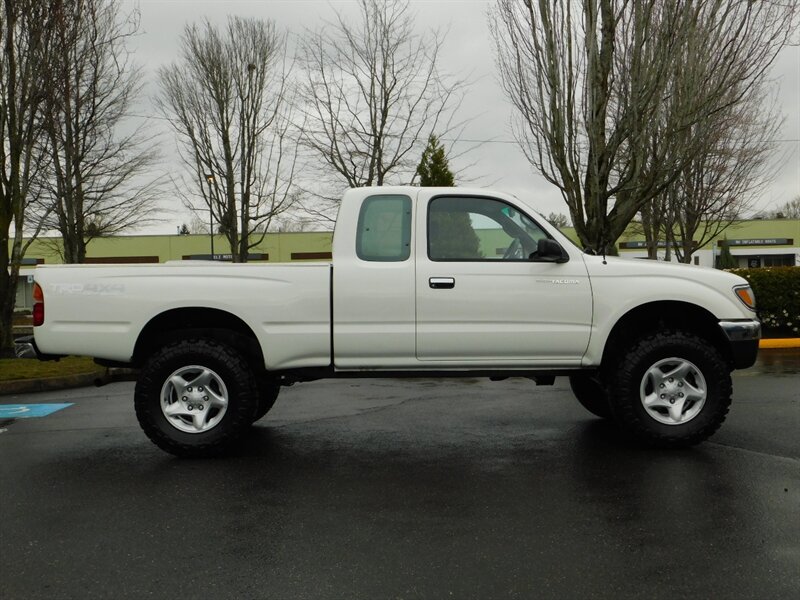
{"points": [[779, 343], [48, 384]]}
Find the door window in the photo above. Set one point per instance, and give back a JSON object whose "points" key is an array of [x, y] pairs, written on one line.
{"points": [[478, 229]]}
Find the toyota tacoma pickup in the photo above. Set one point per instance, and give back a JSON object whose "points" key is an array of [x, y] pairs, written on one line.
{"points": [[424, 282]]}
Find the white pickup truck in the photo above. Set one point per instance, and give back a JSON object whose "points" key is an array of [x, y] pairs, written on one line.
{"points": [[425, 282]]}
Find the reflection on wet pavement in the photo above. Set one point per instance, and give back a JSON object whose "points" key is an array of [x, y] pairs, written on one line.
{"points": [[779, 361]]}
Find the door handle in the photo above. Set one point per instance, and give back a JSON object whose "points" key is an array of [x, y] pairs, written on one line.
{"points": [[442, 283]]}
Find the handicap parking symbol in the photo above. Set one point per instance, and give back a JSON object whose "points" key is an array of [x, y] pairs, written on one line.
{"points": [[27, 411]]}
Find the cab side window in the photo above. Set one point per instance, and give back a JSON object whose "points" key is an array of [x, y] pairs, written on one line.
{"points": [[384, 229]]}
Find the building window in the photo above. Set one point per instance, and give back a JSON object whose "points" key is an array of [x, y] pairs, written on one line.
{"points": [[778, 260], [768, 260]]}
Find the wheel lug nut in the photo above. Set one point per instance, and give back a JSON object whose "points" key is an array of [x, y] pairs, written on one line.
{"points": [[672, 400], [661, 385], [205, 398], [680, 395], [670, 380], [199, 407], [200, 388], [184, 398], [680, 384], [190, 407], [663, 396], [189, 389]]}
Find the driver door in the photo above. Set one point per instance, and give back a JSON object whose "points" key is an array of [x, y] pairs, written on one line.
{"points": [[481, 300]]}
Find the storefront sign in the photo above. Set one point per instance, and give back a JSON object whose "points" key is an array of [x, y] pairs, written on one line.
{"points": [[642, 245], [223, 257], [758, 242]]}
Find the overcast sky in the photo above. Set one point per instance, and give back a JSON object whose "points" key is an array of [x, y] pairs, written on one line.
{"points": [[467, 51]]}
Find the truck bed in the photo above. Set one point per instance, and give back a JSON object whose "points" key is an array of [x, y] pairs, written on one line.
{"points": [[287, 307]]}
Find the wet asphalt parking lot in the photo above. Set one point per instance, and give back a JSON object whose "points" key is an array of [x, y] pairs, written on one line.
{"points": [[405, 489]]}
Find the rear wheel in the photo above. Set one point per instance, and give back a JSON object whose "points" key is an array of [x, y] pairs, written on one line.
{"points": [[591, 394], [670, 389], [196, 397]]}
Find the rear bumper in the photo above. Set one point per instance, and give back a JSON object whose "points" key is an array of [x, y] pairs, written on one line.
{"points": [[743, 337], [25, 347]]}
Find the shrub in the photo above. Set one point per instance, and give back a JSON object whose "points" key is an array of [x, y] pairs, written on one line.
{"points": [[777, 291]]}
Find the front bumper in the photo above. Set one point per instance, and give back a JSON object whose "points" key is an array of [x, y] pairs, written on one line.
{"points": [[743, 338]]}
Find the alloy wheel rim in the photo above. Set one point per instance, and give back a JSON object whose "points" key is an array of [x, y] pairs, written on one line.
{"points": [[194, 399], [673, 391]]}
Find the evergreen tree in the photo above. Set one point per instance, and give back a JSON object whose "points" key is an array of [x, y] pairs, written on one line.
{"points": [[451, 232], [725, 260], [433, 169]]}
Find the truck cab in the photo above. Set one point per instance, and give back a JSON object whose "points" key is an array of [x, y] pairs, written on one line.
{"points": [[429, 278]]}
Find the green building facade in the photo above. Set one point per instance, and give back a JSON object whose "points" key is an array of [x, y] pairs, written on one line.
{"points": [[756, 243]]}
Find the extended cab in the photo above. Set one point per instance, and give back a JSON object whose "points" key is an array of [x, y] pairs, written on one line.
{"points": [[432, 282]]}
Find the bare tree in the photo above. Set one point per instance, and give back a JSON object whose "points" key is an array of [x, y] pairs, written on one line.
{"points": [[605, 89], [294, 222], [720, 183], [713, 189], [100, 181], [790, 210], [655, 222], [374, 94], [25, 29], [559, 220], [230, 103]]}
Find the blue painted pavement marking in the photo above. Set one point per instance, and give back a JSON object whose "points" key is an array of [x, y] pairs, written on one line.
{"points": [[26, 411]]}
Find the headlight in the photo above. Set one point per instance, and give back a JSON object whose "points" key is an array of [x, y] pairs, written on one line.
{"points": [[745, 294]]}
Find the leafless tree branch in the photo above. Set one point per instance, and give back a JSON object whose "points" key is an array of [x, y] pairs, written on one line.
{"points": [[26, 31], [100, 180], [605, 90], [230, 102], [372, 93]]}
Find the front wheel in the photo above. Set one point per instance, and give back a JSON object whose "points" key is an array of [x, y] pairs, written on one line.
{"points": [[670, 389], [196, 397]]}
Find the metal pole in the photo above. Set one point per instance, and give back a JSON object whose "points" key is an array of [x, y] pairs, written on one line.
{"points": [[209, 179]]}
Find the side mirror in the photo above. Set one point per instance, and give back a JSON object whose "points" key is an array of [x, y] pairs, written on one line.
{"points": [[549, 251]]}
